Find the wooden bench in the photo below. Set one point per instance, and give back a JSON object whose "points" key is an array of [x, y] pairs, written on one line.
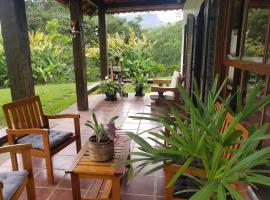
{"points": [[93, 87], [160, 94], [170, 171], [106, 176]]}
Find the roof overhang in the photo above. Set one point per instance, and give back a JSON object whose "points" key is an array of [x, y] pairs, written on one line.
{"points": [[90, 7]]}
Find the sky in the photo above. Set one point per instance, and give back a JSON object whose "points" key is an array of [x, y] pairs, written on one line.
{"points": [[170, 16], [165, 16]]}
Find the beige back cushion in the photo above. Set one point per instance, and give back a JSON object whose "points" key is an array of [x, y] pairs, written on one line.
{"points": [[175, 79]]}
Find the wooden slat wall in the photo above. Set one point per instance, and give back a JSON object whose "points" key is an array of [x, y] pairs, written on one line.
{"points": [[189, 37]]}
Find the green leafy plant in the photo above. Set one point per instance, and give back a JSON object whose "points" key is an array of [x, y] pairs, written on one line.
{"points": [[110, 88], [140, 81], [99, 129], [112, 119], [200, 140]]}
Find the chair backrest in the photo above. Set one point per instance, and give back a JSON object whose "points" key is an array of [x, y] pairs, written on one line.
{"points": [[24, 114], [229, 118], [175, 79]]}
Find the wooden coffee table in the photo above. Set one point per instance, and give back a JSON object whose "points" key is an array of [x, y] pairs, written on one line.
{"points": [[108, 176]]}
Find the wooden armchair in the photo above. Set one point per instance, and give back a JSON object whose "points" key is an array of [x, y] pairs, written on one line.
{"points": [[167, 93], [27, 124], [12, 184], [170, 171]]}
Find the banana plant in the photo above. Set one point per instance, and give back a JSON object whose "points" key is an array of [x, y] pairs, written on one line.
{"points": [[200, 140]]}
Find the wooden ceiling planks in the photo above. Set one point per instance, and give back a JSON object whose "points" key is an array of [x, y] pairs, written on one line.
{"points": [[123, 6]]}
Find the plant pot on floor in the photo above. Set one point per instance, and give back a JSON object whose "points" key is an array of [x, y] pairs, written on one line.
{"points": [[111, 97], [100, 152], [139, 92]]}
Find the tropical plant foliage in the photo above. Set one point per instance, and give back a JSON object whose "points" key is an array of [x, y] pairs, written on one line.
{"points": [[140, 81], [4, 82], [98, 128], [50, 55], [200, 140], [109, 88]]}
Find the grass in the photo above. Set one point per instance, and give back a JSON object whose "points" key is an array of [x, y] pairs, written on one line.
{"points": [[54, 98]]}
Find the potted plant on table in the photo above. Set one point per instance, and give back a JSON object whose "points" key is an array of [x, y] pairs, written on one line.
{"points": [[110, 89], [201, 142], [140, 82], [101, 145]]}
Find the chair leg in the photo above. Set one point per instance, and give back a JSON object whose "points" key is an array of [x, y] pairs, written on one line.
{"points": [[78, 134], [49, 169], [30, 188], [78, 143], [14, 161]]}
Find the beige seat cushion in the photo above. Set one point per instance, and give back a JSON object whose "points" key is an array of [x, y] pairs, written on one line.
{"points": [[175, 79]]}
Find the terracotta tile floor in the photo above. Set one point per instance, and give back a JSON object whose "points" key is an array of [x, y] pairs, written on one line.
{"points": [[142, 188]]}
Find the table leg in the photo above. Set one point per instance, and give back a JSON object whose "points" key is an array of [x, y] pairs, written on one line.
{"points": [[116, 188], [75, 183]]}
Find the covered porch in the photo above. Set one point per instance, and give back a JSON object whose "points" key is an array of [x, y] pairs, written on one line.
{"points": [[150, 187], [197, 65]]}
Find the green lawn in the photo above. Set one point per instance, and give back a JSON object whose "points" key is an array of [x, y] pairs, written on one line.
{"points": [[54, 98]]}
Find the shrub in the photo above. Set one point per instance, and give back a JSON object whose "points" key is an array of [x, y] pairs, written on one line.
{"points": [[51, 55], [4, 81]]}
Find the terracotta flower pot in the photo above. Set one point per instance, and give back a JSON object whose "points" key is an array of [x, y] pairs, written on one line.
{"points": [[100, 152]]}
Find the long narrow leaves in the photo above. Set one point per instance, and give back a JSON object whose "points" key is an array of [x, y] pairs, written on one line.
{"points": [[206, 136]]}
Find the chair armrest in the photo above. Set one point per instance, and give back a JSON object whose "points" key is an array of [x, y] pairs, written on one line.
{"points": [[62, 116], [164, 89], [18, 148], [22, 132], [161, 81]]}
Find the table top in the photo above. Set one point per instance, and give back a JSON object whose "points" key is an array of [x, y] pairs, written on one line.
{"points": [[82, 164]]}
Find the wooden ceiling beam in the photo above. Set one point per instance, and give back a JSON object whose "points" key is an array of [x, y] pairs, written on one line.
{"points": [[134, 4]]}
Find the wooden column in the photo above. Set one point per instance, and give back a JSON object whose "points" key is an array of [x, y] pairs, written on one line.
{"points": [[76, 16], [103, 43], [17, 48]]}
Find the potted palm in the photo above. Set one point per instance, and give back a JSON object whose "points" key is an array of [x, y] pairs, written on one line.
{"points": [[139, 82], [201, 142], [101, 146], [110, 89]]}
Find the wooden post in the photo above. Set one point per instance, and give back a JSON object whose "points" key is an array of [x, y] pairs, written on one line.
{"points": [[103, 42], [76, 16], [17, 48]]}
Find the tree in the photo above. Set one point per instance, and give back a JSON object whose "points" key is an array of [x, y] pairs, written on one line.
{"points": [[167, 45]]}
